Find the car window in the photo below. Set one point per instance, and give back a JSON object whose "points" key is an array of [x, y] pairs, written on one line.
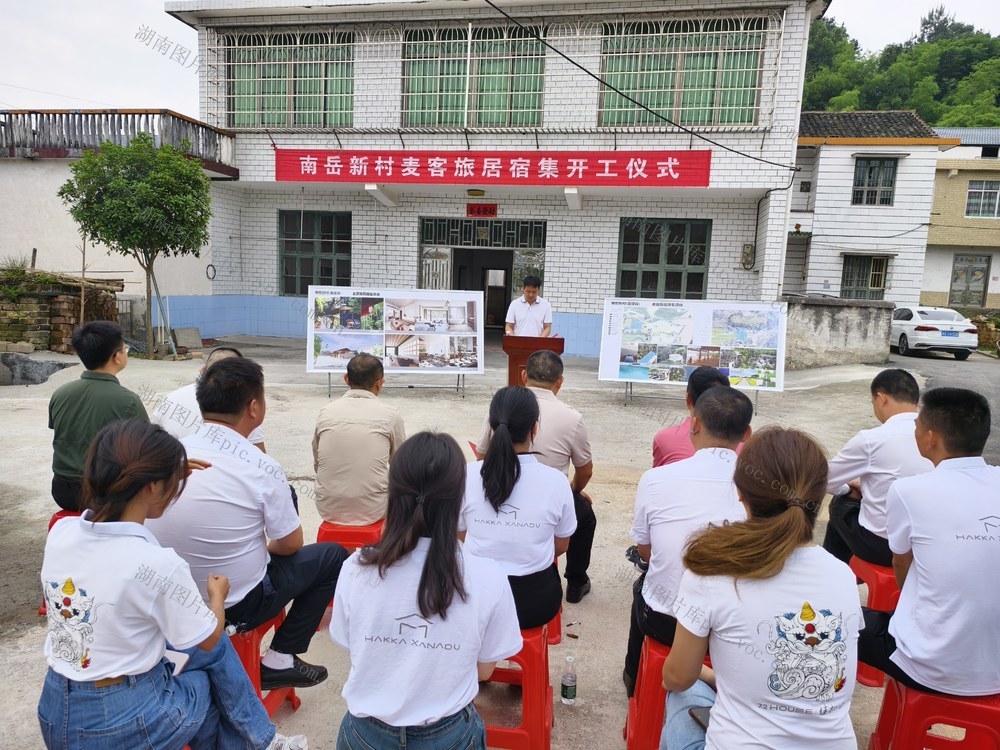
{"points": [[902, 314], [945, 315]]}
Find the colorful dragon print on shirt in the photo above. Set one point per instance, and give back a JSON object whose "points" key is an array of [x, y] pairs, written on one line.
{"points": [[70, 613]]}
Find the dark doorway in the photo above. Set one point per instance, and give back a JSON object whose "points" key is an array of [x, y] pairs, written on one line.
{"points": [[489, 272]]}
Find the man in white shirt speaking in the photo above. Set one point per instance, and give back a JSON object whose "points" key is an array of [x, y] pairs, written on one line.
{"points": [[529, 314], [236, 519], [868, 465]]}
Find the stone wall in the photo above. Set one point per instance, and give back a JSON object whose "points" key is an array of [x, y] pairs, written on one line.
{"points": [[27, 319], [827, 331], [46, 318]]}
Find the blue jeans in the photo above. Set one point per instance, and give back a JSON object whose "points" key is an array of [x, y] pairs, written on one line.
{"points": [[211, 704], [680, 731], [461, 731]]}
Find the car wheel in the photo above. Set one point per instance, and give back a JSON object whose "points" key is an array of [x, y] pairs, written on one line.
{"points": [[962, 355], [904, 347]]}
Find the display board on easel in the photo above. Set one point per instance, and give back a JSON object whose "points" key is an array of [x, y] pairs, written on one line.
{"points": [[413, 331], [661, 342]]}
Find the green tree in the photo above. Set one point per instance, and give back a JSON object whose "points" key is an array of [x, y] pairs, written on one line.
{"points": [[142, 202], [938, 25]]}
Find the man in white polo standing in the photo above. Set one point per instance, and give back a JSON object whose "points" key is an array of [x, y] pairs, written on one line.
{"points": [[529, 314]]}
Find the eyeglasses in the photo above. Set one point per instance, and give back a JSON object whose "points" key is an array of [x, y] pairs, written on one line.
{"points": [[126, 348]]}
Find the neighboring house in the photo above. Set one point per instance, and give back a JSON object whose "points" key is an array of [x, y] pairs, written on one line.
{"points": [[861, 205], [37, 148], [361, 128], [963, 246]]}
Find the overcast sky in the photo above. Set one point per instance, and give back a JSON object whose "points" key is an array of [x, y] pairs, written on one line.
{"points": [[63, 54]]}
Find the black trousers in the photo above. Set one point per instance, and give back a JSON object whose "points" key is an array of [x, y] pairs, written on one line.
{"points": [[537, 597], [845, 536], [644, 621], [876, 645], [68, 493], [307, 579], [580, 543]]}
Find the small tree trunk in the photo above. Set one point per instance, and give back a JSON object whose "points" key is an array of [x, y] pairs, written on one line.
{"points": [[149, 311]]}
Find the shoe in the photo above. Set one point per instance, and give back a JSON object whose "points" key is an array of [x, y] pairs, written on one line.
{"points": [[281, 742], [632, 554], [575, 593], [299, 675]]}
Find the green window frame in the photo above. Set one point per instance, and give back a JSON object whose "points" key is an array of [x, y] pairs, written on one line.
{"points": [[694, 72], [314, 247], [663, 258], [290, 79], [864, 277], [874, 181]]}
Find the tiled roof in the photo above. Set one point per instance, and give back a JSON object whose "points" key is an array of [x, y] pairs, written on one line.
{"points": [[972, 136], [895, 124]]}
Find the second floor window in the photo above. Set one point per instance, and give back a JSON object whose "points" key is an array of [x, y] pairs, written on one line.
{"points": [[491, 78], [983, 201], [874, 182]]}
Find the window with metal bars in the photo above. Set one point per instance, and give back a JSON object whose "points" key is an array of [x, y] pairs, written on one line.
{"points": [[495, 233], [289, 79], [874, 182], [314, 247], [864, 277], [663, 258], [694, 72], [983, 200], [492, 77]]}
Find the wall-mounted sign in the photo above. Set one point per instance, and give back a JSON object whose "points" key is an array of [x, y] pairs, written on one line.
{"points": [[554, 168], [481, 210]]}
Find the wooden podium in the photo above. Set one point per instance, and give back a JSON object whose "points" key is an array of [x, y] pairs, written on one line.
{"points": [[519, 348]]}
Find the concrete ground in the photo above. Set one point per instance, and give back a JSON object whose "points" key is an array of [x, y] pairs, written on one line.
{"points": [[831, 403]]}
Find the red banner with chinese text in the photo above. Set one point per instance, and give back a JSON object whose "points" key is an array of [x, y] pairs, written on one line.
{"points": [[481, 168]]}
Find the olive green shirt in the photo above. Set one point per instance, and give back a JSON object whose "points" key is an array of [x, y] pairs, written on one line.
{"points": [[78, 411]]}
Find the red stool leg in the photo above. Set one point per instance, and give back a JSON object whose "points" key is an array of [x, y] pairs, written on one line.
{"points": [[535, 730], [555, 629], [247, 646]]}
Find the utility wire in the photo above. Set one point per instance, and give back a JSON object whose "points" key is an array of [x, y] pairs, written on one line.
{"points": [[625, 96], [53, 93]]}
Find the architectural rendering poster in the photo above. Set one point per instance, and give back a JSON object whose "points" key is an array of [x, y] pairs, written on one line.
{"points": [[410, 330], [663, 341]]}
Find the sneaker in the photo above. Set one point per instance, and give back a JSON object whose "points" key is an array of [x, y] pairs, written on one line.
{"points": [[632, 553], [281, 742], [299, 675], [575, 593]]}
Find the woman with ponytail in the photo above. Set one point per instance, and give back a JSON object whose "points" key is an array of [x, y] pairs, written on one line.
{"points": [[116, 599], [423, 619], [518, 511], [779, 615]]}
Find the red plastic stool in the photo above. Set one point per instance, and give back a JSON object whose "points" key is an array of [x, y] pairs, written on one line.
{"points": [[883, 595], [535, 730], [57, 516], [907, 716], [247, 647], [554, 636], [350, 537]]}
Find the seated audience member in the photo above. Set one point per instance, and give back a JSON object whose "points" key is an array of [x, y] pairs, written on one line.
{"points": [[226, 514], [561, 441], [117, 599], [354, 441], [78, 410], [676, 501], [674, 443], [779, 615], [178, 412], [518, 511], [423, 618], [867, 466], [944, 527]]}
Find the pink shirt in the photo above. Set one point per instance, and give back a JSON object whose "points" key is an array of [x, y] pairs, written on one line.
{"points": [[673, 444]]}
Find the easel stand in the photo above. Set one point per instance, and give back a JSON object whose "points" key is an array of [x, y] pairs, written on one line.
{"points": [[459, 385], [629, 396]]}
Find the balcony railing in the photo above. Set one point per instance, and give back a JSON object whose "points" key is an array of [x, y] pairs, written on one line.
{"points": [[68, 133]]}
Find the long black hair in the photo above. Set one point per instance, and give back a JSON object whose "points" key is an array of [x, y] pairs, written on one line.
{"points": [[426, 487], [513, 413]]}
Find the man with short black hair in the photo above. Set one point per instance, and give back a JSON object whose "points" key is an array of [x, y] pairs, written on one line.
{"points": [[236, 518], [944, 527], [529, 314], [674, 443], [864, 469], [561, 440], [676, 501], [78, 410], [355, 438]]}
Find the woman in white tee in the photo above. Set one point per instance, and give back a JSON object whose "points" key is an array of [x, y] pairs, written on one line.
{"points": [[116, 599], [779, 615], [423, 618], [518, 511]]}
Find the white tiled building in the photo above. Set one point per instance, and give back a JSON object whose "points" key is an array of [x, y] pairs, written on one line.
{"points": [[455, 79]]}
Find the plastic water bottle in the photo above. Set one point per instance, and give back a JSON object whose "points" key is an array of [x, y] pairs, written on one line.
{"points": [[568, 690]]}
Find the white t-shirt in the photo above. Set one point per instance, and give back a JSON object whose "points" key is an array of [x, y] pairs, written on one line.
{"points": [[946, 623], [179, 414], [878, 457], [408, 670], [673, 503], [221, 522], [521, 536], [775, 688], [529, 320], [115, 599]]}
